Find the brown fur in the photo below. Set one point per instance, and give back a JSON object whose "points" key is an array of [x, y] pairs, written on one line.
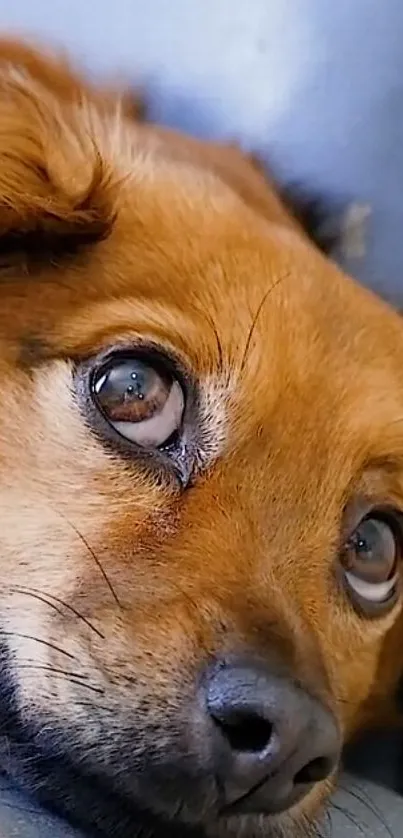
{"points": [[117, 587]]}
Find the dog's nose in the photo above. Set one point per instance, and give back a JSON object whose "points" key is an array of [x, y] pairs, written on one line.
{"points": [[272, 741]]}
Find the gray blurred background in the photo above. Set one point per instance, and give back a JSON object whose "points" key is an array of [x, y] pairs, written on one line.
{"points": [[316, 85]]}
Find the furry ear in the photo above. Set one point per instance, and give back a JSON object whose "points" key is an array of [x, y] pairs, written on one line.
{"points": [[53, 72], [55, 190]]}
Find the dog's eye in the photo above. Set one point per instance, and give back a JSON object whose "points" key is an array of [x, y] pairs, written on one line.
{"points": [[370, 560], [141, 401]]}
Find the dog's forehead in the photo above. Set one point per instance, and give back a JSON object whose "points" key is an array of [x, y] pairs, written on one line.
{"points": [[189, 265], [268, 295]]}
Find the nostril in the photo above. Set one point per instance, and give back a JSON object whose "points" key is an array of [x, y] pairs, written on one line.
{"points": [[314, 771], [245, 732]]}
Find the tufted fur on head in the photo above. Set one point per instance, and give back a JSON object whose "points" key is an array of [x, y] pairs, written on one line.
{"points": [[54, 185]]}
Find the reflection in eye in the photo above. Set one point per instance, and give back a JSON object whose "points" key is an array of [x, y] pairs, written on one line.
{"points": [[141, 401]]}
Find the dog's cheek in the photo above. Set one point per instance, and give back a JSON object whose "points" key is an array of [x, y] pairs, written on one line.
{"points": [[366, 670], [62, 497]]}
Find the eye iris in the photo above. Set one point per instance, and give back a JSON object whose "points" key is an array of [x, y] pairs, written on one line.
{"points": [[141, 400], [131, 391], [371, 552]]}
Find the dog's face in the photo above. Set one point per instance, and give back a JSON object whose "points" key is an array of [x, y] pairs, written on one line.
{"points": [[201, 480]]}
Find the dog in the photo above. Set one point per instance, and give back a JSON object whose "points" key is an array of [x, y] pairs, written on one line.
{"points": [[201, 478]]}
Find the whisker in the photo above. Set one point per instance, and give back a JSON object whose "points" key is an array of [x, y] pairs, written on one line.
{"points": [[92, 705], [316, 831], [348, 815], [45, 597], [329, 823], [37, 640], [72, 677], [29, 663], [304, 827], [322, 827], [35, 595], [367, 803], [43, 667], [94, 556], [329, 820], [256, 318], [214, 329], [25, 809]]}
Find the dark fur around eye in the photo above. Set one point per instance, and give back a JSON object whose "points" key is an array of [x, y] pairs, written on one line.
{"points": [[322, 218]]}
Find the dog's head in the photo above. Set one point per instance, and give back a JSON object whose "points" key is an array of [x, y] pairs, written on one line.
{"points": [[201, 478]]}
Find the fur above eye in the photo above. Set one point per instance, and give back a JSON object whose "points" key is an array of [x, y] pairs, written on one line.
{"points": [[370, 560], [142, 401]]}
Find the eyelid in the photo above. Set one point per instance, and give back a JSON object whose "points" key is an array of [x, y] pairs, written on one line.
{"points": [[376, 592], [362, 507], [355, 512]]}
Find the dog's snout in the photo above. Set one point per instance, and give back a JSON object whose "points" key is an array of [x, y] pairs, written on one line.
{"points": [[271, 740]]}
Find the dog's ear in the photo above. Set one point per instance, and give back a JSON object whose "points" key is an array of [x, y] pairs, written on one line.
{"points": [[241, 171], [54, 72], [54, 186]]}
